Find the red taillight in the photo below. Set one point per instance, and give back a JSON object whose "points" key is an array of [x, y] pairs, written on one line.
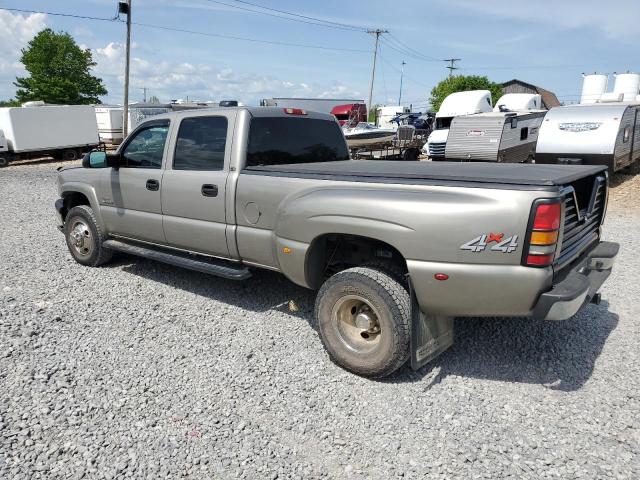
{"points": [[294, 111], [547, 217], [540, 260], [543, 236]]}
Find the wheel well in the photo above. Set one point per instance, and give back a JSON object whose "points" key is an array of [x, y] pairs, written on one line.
{"points": [[73, 199], [334, 252]]}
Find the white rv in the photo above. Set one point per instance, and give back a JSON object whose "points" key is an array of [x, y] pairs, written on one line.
{"points": [[592, 134], [385, 114], [459, 103], [109, 120], [60, 131]]}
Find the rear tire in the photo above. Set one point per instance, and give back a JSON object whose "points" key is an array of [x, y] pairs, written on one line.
{"points": [[634, 168], [364, 320], [70, 154], [84, 237], [4, 161]]}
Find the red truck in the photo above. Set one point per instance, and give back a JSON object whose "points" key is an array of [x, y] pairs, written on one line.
{"points": [[351, 113]]}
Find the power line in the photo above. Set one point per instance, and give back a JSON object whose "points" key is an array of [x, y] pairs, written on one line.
{"points": [[292, 17], [405, 52], [411, 49], [55, 14], [354, 27], [247, 39]]}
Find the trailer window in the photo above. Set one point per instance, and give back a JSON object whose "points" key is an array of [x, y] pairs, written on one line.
{"points": [[200, 145], [282, 141], [524, 133], [627, 134]]}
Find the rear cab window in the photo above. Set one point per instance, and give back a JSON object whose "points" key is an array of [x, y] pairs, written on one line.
{"points": [[285, 141]]}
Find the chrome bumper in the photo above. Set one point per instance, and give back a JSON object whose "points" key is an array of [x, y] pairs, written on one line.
{"points": [[579, 286]]}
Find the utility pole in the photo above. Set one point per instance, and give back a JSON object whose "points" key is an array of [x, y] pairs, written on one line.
{"points": [[401, 75], [377, 33], [144, 93], [125, 7], [452, 65]]}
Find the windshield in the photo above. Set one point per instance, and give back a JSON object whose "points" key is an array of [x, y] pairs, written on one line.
{"points": [[282, 140]]}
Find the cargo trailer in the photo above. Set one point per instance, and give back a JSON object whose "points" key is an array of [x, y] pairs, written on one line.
{"points": [[60, 131], [110, 124]]}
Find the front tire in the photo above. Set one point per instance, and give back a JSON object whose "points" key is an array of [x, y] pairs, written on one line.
{"points": [[84, 237], [364, 320]]}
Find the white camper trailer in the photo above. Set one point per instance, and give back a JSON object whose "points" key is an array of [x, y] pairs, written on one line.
{"points": [[596, 134], [494, 137], [110, 124], [459, 103], [385, 114], [60, 131]]}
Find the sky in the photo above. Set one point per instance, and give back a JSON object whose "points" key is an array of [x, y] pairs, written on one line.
{"points": [[549, 43]]}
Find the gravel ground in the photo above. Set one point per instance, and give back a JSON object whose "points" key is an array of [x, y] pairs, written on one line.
{"points": [[141, 370]]}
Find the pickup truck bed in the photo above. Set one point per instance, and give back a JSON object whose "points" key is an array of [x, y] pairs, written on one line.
{"points": [[439, 173]]}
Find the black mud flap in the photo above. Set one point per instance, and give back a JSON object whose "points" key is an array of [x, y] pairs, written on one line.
{"points": [[430, 334]]}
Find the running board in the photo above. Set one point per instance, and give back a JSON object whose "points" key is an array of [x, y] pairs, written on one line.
{"points": [[203, 266]]}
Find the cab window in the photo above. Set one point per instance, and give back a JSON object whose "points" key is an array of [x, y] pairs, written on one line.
{"points": [[146, 148]]}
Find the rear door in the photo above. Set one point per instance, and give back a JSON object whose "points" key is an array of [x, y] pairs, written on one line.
{"points": [[193, 186]]}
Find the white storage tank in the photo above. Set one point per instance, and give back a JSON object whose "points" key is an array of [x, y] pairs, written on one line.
{"points": [[593, 86], [628, 84]]}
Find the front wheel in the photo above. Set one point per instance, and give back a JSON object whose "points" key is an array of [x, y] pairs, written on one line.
{"points": [[364, 320], [84, 237]]}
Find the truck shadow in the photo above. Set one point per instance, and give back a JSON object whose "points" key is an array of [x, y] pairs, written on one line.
{"points": [[264, 291], [558, 355]]}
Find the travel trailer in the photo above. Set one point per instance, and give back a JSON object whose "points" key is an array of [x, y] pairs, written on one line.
{"points": [[385, 116], [61, 131], [109, 120], [494, 137], [595, 134], [459, 103]]}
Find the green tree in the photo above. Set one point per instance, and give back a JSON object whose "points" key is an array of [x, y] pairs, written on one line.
{"points": [[9, 103], [154, 99], [462, 83], [59, 71]]}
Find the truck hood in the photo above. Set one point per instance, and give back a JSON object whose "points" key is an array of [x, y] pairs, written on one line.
{"points": [[438, 136], [528, 175]]}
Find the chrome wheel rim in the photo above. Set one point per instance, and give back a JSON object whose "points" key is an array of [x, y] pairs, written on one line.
{"points": [[80, 238], [356, 324]]}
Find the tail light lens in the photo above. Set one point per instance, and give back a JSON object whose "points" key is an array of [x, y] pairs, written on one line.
{"points": [[543, 237], [294, 111]]}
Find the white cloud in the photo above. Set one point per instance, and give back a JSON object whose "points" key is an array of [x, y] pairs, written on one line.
{"points": [[15, 33], [171, 80]]}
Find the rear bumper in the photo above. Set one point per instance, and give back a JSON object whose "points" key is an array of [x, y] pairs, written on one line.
{"points": [[579, 286]]}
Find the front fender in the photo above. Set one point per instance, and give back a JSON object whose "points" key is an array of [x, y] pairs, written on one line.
{"points": [[68, 187]]}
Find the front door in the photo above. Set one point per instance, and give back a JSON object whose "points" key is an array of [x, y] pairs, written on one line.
{"points": [[130, 196], [193, 186]]}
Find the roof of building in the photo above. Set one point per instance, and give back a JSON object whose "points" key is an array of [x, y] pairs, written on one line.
{"points": [[549, 98]]}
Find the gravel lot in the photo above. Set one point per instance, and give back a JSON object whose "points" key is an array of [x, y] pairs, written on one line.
{"points": [[141, 370]]}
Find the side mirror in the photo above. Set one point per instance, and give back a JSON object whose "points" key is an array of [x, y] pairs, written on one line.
{"points": [[98, 159], [94, 159]]}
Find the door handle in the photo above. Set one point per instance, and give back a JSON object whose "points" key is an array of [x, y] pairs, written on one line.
{"points": [[209, 190], [153, 185]]}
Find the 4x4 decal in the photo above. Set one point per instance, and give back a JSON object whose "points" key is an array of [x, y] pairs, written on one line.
{"points": [[504, 245]]}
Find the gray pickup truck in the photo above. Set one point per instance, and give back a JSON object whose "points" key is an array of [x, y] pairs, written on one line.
{"points": [[396, 250]]}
